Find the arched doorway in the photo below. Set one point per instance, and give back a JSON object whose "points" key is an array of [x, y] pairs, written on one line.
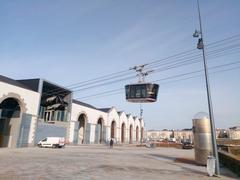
{"points": [[123, 133], [142, 134], [100, 125], [113, 129], [137, 134], [10, 113], [130, 134], [82, 128]]}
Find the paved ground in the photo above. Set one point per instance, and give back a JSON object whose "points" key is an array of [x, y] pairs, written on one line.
{"points": [[100, 162]]}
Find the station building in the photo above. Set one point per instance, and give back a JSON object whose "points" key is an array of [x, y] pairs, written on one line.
{"points": [[33, 109]]}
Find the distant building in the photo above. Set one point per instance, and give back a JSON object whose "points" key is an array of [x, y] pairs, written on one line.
{"points": [[221, 133], [159, 134], [178, 135], [187, 134], [184, 135], [234, 132]]}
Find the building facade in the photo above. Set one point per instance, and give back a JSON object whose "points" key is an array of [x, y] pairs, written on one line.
{"points": [[234, 132], [33, 109]]}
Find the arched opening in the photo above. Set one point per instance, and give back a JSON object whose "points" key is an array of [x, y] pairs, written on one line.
{"points": [[82, 128], [100, 125], [10, 111], [137, 134], [113, 129], [130, 134], [142, 134], [123, 133]]}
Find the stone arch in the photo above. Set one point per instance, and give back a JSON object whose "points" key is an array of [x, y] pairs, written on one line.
{"points": [[142, 134], [113, 129], [11, 108], [123, 129], [137, 134], [100, 123], [131, 134], [18, 98], [82, 119]]}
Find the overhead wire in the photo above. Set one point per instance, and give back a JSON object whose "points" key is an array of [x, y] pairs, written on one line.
{"points": [[126, 72], [208, 46], [173, 77], [168, 82], [176, 65]]}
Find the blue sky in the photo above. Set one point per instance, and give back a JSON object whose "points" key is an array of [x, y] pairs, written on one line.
{"points": [[71, 41]]}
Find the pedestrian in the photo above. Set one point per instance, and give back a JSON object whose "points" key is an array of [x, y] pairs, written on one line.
{"points": [[111, 143]]}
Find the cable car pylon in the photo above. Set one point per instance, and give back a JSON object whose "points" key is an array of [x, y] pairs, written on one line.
{"points": [[141, 92]]}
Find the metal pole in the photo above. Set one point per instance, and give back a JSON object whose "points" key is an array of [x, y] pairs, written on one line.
{"points": [[213, 132], [141, 111]]}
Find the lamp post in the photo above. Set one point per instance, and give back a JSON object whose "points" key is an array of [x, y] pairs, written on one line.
{"points": [[200, 45]]}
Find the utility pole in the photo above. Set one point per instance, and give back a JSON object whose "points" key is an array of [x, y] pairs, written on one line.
{"points": [[200, 45]]}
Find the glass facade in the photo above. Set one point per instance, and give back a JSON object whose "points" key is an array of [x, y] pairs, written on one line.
{"points": [[55, 103], [50, 115]]}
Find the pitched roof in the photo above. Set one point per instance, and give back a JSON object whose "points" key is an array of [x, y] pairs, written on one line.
{"points": [[120, 112], [134, 117], [128, 115], [13, 82], [83, 104], [33, 84], [105, 109], [235, 128]]}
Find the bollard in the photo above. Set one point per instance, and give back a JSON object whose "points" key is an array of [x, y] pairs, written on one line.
{"points": [[211, 165]]}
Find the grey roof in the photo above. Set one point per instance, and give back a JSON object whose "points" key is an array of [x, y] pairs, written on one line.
{"points": [[187, 129], [120, 112], [83, 104], [33, 84], [235, 128], [104, 109], [128, 115], [13, 82]]}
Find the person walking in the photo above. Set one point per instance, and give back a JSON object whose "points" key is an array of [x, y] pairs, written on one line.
{"points": [[111, 143]]}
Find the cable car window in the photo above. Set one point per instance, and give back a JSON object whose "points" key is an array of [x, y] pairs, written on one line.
{"points": [[132, 92], [144, 92], [139, 91], [127, 91]]}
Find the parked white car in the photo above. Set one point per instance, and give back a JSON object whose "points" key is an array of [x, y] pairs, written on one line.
{"points": [[53, 142]]}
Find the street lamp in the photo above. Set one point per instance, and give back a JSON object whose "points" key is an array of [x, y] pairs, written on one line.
{"points": [[200, 45]]}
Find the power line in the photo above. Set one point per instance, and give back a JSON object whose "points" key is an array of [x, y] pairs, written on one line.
{"points": [[126, 72], [198, 55], [176, 65], [105, 92], [210, 45], [172, 77], [168, 82], [200, 75]]}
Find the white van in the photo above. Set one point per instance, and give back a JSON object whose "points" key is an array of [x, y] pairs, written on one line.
{"points": [[53, 142]]}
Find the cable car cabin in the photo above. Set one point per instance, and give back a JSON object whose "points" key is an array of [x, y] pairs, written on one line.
{"points": [[141, 92]]}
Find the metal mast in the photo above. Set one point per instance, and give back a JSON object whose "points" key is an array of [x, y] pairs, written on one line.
{"points": [[210, 109]]}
